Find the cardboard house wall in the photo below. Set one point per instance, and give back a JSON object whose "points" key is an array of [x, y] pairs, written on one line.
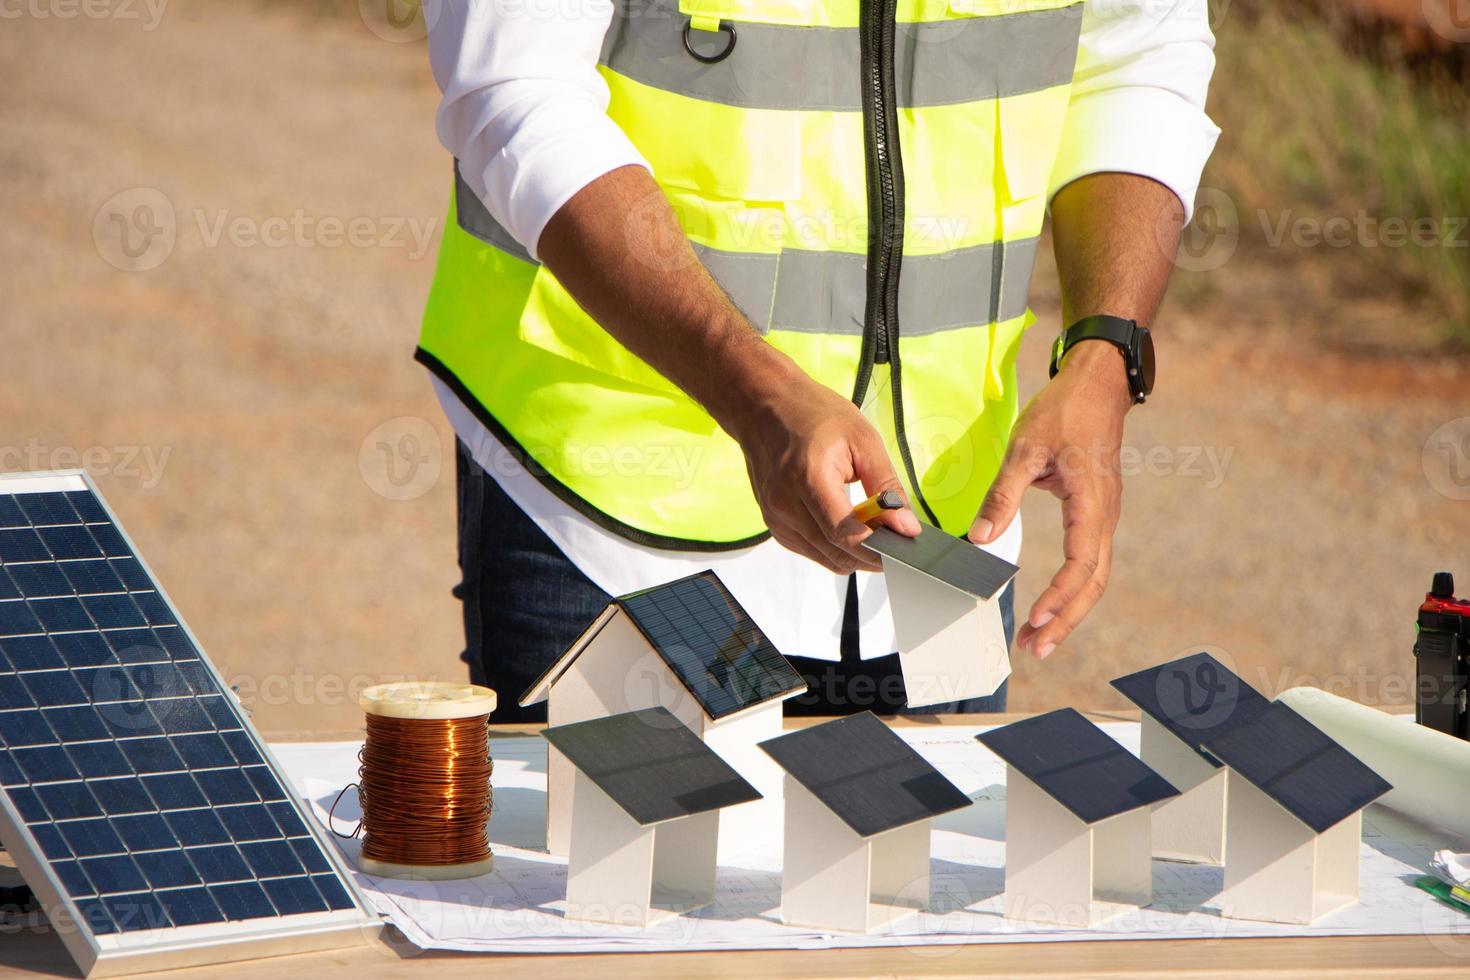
{"points": [[1191, 826], [831, 878], [951, 644], [625, 873], [645, 816], [859, 806], [1185, 702], [1279, 869], [1062, 871], [1078, 820], [1293, 818], [618, 670], [944, 594]]}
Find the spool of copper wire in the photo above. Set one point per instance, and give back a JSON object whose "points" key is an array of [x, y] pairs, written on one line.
{"points": [[424, 781]]}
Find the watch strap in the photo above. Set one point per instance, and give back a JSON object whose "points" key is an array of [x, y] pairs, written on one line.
{"points": [[1113, 329]]}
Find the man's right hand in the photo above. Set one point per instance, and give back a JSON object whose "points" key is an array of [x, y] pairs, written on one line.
{"points": [[802, 448], [803, 442]]}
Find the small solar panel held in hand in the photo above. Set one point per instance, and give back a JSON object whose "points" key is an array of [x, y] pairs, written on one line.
{"points": [[124, 760], [954, 561]]}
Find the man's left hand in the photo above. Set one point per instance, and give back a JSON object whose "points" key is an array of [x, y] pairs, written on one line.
{"points": [[1067, 441]]}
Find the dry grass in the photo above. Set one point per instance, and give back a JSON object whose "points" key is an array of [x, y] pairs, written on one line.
{"points": [[1314, 132]]}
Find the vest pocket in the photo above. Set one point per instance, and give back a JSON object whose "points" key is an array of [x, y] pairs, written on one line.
{"points": [[717, 150], [1030, 129], [1000, 8], [795, 13]]}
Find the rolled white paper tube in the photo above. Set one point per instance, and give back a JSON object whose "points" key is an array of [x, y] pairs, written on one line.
{"points": [[1429, 770]]}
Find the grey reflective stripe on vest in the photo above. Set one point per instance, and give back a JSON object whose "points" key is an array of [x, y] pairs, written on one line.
{"points": [[748, 278], [823, 292], [472, 216], [817, 68]]}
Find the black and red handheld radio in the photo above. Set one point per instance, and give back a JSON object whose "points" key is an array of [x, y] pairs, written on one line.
{"points": [[1443, 652]]}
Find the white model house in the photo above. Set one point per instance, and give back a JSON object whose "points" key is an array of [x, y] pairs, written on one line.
{"points": [[1185, 703], [943, 592], [687, 646], [1077, 820], [1293, 818], [645, 816], [859, 804]]}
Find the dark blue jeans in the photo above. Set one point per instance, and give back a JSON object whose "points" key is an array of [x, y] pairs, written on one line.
{"points": [[525, 602]]}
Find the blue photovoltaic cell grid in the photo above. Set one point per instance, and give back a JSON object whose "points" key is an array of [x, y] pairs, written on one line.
{"points": [[714, 646], [121, 753]]}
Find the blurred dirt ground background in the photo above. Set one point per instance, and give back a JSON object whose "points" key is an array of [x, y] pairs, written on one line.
{"points": [[242, 387]]}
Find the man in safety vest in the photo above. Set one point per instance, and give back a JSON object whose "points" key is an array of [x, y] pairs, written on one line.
{"points": [[716, 269]]}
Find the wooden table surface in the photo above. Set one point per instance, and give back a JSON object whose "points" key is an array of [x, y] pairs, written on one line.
{"points": [[35, 951]]}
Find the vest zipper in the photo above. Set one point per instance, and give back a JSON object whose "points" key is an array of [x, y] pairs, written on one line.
{"points": [[885, 188], [877, 27]]}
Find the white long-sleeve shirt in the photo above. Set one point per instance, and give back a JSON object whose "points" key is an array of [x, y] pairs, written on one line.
{"points": [[525, 113]]}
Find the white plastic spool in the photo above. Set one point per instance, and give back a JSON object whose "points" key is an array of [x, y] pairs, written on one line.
{"points": [[427, 700]]}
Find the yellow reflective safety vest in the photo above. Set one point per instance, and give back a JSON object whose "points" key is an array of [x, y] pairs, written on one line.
{"points": [[867, 181]]}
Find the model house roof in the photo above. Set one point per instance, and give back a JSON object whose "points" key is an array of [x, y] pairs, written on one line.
{"points": [[1196, 698], [707, 639], [863, 772], [651, 765], [1299, 766], [955, 562], [1078, 765]]}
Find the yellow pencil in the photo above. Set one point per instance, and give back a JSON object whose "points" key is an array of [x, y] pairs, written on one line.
{"points": [[869, 510]]}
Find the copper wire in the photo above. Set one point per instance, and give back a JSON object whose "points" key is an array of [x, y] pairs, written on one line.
{"points": [[424, 787]]}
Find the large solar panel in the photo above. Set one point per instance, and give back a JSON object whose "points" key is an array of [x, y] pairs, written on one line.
{"points": [[712, 644], [137, 800]]}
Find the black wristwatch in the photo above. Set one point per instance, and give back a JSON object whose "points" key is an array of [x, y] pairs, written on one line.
{"points": [[1134, 341]]}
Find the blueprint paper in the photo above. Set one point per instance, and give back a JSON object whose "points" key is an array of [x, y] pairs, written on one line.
{"points": [[519, 907]]}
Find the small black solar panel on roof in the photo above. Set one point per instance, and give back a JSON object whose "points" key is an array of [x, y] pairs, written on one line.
{"points": [[1195, 698], [1077, 764], [711, 643], [651, 765], [1299, 766], [119, 751], [865, 773]]}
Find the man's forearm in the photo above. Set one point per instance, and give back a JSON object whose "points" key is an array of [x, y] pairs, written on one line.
{"points": [[618, 249], [1114, 236]]}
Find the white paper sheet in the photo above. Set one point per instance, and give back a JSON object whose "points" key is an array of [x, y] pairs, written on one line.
{"points": [[518, 908]]}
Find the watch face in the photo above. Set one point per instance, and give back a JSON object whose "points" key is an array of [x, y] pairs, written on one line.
{"points": [[1145, 342]]}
